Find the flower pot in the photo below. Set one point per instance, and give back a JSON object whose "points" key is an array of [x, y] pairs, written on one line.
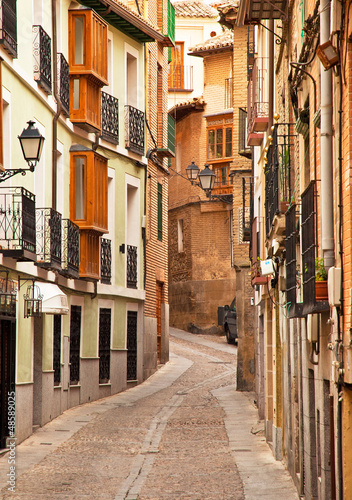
{"points": [[321, 290]]}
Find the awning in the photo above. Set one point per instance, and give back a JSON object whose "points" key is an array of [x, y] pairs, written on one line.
{"points": [[54, 299]]}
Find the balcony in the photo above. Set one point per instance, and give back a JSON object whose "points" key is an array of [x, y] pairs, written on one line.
{"points": [[258, 106], [246, 216], [255, 10], [63, 80], [291, 236], [85, 103], [134, 130], [17, 224], [180, 78], [8, 26], [70, 249], [243, 149], [105, 261], [228, 93], [42, 58], [49, 232], [109, 118], [89, 255], [131, 266], [278, 174]]}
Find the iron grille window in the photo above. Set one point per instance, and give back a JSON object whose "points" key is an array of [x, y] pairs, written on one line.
{"points": [[105, 261], [308, 244], [110, 118], [63, 77], [8, 26], [75, 343], [48, 224], [57, 349], [132, 317], [42, 58], [247, 187], [243, 149], [291, 264], [134, 130], [104, 345], [131, 266], [160, 212], [17, 222], [70, 248]]}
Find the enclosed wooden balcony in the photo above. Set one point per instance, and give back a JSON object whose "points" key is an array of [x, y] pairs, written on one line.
{"points": [[88, 189], [85, 103], [89, 255]]}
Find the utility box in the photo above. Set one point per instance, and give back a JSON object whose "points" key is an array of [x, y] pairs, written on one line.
{"points": [[334, 286]]}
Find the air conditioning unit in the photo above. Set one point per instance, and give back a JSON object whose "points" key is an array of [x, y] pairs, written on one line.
{"points": [[334, 286], [267, 267]]}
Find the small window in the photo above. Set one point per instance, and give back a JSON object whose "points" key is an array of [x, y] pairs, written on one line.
{"points": [[79, 39], [80, 188], [160, 212], [219, 139], [180, 237]]}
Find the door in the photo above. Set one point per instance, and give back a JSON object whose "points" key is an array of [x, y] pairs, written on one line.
{"points": [[7, 376], [132, 345], [158, 300]]}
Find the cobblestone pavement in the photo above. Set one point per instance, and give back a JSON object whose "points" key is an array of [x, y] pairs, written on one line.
{"points": [[171, 444]]}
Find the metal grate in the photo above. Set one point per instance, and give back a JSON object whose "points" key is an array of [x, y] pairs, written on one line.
{"points": [[105, 261], [134, 130], [70, 248], [291, 264], [48, 228], [243, 149], [8, 26], [57, 349], [42, 58], [104, 345], [132, 317], [246, 228], [308, 244], [63, 77], [131, 266], [110, 118], [75, 343]]}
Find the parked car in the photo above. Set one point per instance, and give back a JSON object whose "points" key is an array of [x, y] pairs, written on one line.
{"points": [[230, 322]]}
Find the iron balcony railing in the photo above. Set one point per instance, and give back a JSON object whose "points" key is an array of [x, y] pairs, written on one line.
{"points": [[228, 93], [8, 290], [17, 223], [278, 173], [291, 235], [8, 26], [63, 79], [70, 249], [105, 261], [109, 118], [49, 232], [180, 77], [42, 58], [243, 149], [131, 266], [250, 50], [258, 106], [308, 243], [134, 130]]}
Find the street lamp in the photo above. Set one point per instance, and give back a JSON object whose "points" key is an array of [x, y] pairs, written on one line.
{"points": [[192, 172], [206, 179], [32, 143]]}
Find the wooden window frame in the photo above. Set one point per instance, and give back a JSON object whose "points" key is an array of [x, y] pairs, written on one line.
{"points": [[215, 125]]}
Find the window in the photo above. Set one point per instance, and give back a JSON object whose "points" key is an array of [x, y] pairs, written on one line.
{"points": [[57, 349], [80, 188], [180, 236], [104, 344], [75, 344], [219, 138], [176, 75], [132, 321], [160, 212]]}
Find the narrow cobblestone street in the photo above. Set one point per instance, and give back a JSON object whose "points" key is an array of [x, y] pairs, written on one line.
{"points": [[165, 439]]}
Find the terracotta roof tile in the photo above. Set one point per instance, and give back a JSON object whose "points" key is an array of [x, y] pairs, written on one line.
{"points": [[194, 8], [224, 40]]}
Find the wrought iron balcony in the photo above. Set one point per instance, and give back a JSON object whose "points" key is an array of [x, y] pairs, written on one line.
{"points": [[131, 266], [258, 107], [228, 93], [294, 308], [105, 261], [180, 77], [8, 26], [243, 149], [48, 225], [246, 213], [278, 174], [42, 58], [109, 118], [134, 130], [63, 77], [8, 289], [70, 249], [17, 223]]}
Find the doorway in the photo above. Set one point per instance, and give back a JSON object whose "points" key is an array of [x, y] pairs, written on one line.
{"points": [[7, 373]]}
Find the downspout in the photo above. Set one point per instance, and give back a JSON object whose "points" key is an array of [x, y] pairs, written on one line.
{"points": [[58, 104], [326, 170], [271, 74]]}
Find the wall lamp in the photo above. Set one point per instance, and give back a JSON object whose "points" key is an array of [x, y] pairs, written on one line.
{"points": [[205, 179], [32, 143]]}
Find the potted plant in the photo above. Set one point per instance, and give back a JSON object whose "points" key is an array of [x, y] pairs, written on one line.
{"points": [[321, 280]]}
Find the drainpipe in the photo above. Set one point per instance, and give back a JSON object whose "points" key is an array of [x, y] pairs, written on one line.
{"points": [[326, 174], [58, 104], [271, 73]]}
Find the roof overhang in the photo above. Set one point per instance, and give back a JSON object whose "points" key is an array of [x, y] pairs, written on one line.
{"points": [[252, 11], [181, 110], [54, 299], [126, 21], [205, 52]]}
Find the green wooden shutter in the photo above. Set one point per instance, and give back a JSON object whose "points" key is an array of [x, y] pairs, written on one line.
{"points": [[171, 134]]}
